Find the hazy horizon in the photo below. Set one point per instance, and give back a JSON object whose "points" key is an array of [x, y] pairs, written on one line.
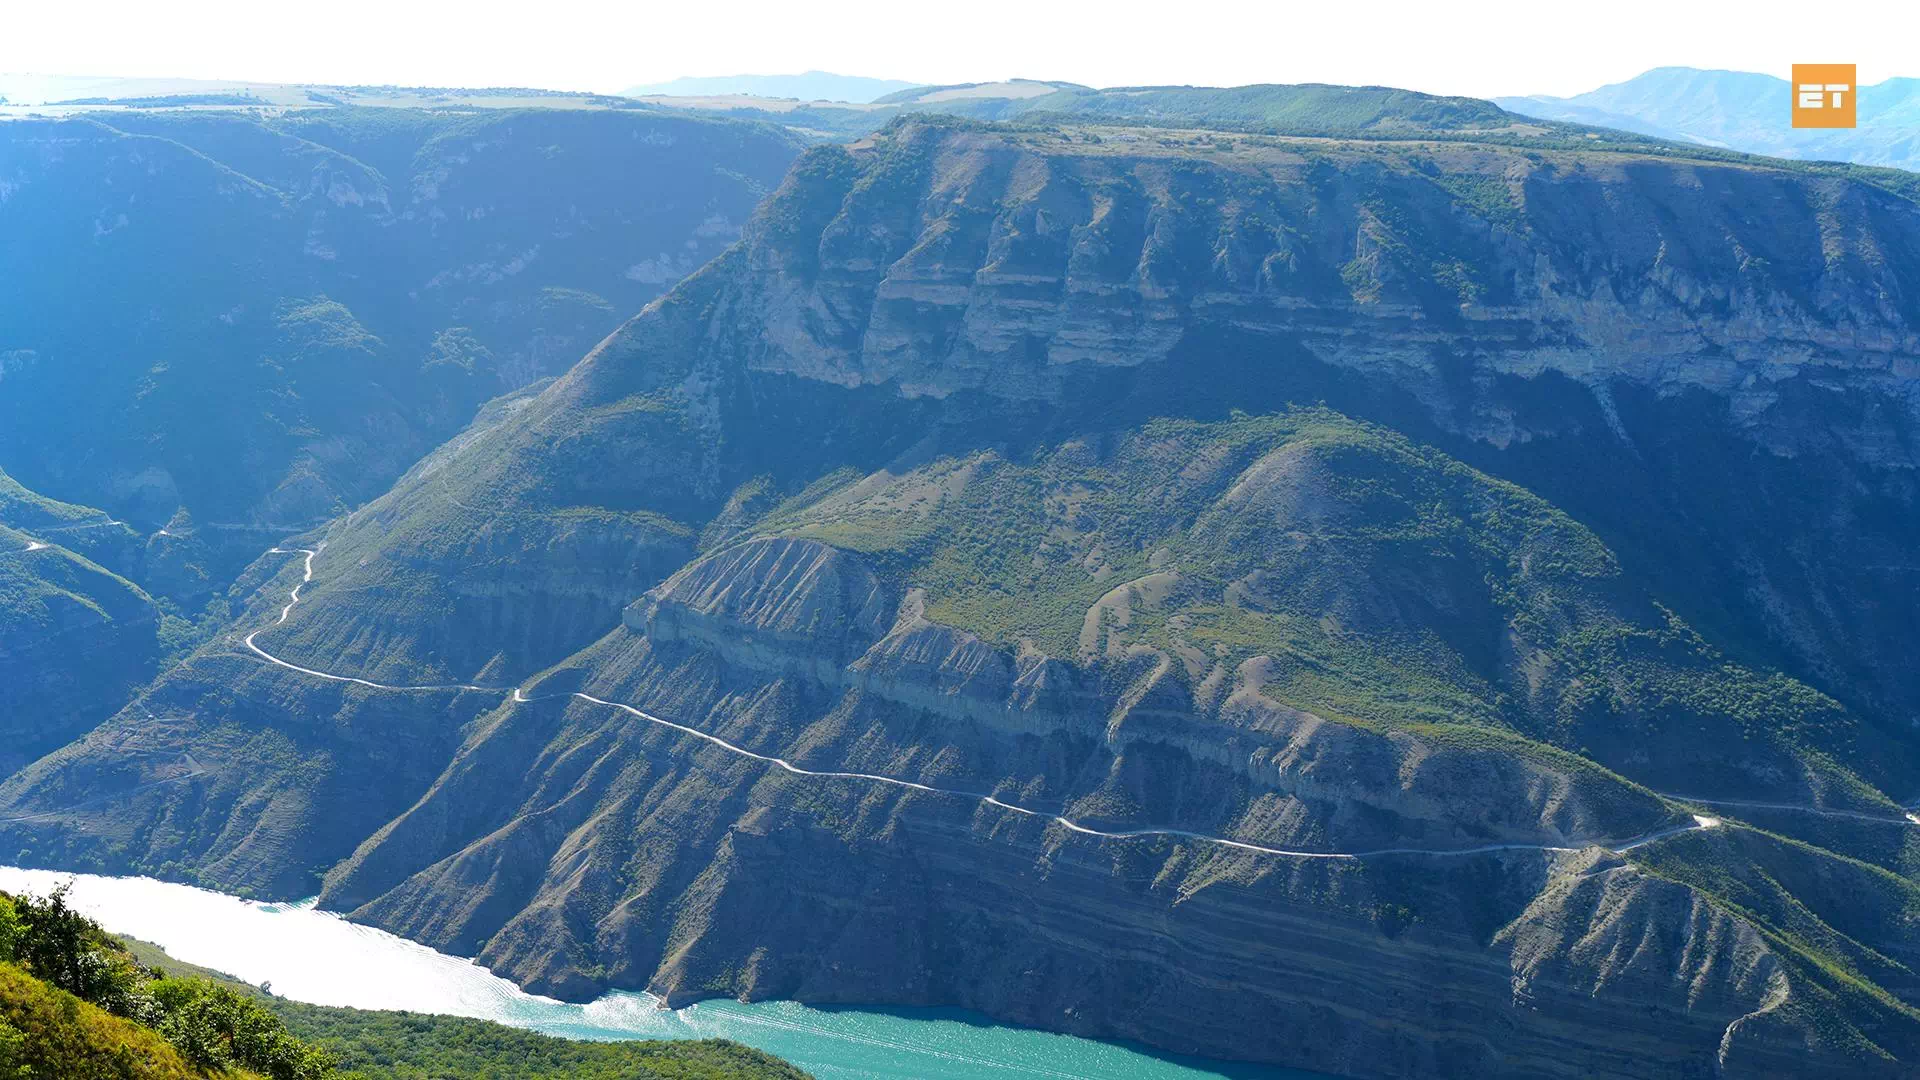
{"points": [[583, 45]]}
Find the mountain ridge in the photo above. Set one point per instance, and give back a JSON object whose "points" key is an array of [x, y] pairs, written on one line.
{"points": [[1269, 491], [1744, 111]]}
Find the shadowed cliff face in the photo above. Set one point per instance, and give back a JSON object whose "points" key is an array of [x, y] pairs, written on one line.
{"points": [[1395, 499]]}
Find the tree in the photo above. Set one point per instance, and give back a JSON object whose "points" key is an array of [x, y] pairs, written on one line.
{"points": [[65, 948], [218, 1028], [10, 929], [215, 1028]]}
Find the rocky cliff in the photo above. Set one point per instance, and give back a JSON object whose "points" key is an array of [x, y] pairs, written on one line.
{"points": [[1027, 552]]}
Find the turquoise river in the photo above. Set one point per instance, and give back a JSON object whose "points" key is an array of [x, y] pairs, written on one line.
{"points": [[318, 957]]}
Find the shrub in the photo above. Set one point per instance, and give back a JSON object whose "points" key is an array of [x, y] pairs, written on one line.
{"points": [[216, 1028]]}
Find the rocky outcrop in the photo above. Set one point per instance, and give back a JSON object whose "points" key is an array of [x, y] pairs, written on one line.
{"points": [[1537, 316], [775, 603]]}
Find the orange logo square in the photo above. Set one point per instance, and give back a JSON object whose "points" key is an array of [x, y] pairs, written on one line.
{"points": [[1823, 95]]}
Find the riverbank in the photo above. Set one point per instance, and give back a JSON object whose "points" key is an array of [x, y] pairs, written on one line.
{"points": [[319, 958]]}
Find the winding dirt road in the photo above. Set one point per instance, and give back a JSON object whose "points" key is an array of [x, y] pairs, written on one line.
{"points": [[516, 695], [1908, 817]]}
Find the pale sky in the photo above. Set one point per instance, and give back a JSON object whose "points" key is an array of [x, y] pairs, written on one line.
{"points": [[1483, 49]]}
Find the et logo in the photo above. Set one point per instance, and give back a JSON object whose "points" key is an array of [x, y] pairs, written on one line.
{"points": [[1823, 95]]}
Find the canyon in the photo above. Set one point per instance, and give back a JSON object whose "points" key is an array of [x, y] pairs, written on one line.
{"points": [[1390, 605]]}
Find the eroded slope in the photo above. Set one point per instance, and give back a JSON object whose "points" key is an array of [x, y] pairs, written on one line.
{"points": [[936, 479]]}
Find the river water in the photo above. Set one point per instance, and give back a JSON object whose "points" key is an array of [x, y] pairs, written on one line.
{"points": [[318, 957]]}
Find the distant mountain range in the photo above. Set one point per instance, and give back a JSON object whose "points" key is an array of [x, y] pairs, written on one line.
{"points": [[807, 86], [1734, 110], [1742, 110], [23, 89]]}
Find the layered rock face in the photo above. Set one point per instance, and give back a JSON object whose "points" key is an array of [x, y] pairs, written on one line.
{"points": [[994, 464], [564, 830], [1011, 260], [1619, 335]]}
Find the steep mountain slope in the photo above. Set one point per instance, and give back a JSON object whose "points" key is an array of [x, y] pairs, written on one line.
{"points": [[1044, 280], [265, 321], [1282, 599], [1742, 110], [83, 529], [75, 640]]}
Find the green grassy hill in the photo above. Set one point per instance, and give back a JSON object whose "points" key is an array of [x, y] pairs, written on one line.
{"points": [[78, 1004], [1393, 585], [47, 1032]]}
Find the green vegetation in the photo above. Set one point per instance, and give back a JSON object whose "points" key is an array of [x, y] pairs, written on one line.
{"points": [[1384, 583], [217, 1029], [412, 1046], [1360, 113], [36, 594], [11, 929], [79, 1004], [1840, 924], [82, 1007], [75, 637], [1302, 109], [45, 1032], [1308, 109], [24, 509], [372, 1045]]}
